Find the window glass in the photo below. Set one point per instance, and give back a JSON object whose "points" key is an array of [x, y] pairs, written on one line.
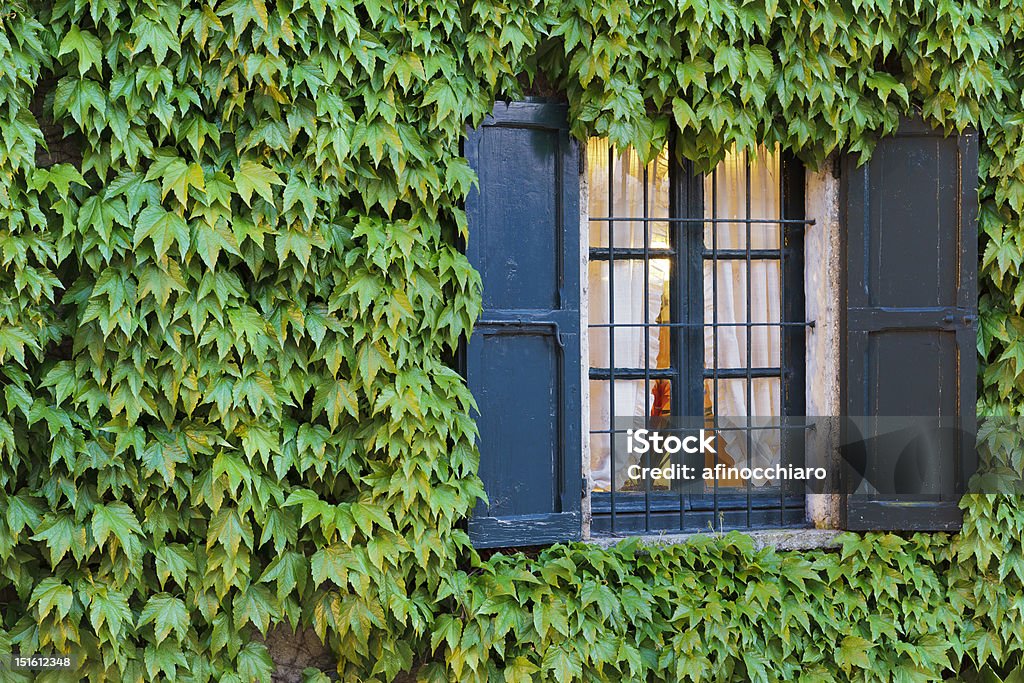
{"points": [[633, 278]]}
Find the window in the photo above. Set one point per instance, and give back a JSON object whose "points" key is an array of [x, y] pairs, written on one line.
{"points": [[695, 309], [695, 306]]}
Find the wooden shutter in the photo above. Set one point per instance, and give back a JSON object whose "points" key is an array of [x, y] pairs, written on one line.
{"points": [[523, 361], [910, 288]]}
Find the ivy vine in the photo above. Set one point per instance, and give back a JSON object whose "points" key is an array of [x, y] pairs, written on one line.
{"points": [[231, 282]]}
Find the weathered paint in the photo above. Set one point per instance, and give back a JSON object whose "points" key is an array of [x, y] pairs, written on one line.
{"points": [[822, 265], [523, 358]]}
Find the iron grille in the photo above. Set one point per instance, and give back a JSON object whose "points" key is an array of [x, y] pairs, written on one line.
{"points": [[684, 238]]}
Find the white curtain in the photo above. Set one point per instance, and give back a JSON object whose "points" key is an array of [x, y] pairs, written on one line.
{"points": [[729, 307], [621, 194], [624, 198]]}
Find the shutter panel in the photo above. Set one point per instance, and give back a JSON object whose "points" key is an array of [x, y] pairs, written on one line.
{"points": [[523, 361], [910, 287]]}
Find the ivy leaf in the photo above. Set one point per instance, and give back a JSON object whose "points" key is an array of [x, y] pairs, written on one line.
{"points": [[176, 176], [86, 45], [683, 113], [255, 663], [155, 36], [447, 629], [853, 652], [251, 177], [51, 595], [244, 11], [407, 66], [332, 562], [693, 70], [162, 227], [757, 666], [885, 84], [366, 515], [7, 443], [312, 506], [286, 570], [61, 534], [371, 359], [13, 341], [174, 561], [77, 97], [117, 520], [22, 511], [729, 57], [210, 240], [759, 60], [223, 635], [336, 397], [60, 176], [228, 529], [298, 191], [565, 665], [164, 658], [108, 605], [256, 606], [521, 670], [441, 94], [167, 613], [163, 459]]}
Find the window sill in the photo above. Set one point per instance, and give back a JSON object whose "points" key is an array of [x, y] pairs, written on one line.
{"points": [[779, 539]]}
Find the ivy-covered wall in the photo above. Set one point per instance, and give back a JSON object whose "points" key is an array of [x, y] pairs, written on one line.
{"points": [[230, 287]]}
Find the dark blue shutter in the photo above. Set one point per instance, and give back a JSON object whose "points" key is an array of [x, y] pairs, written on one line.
{"points": [[909, 344], [523, 361]]}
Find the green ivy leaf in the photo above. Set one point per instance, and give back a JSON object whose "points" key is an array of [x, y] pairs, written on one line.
{"points": [[61, 534], [759, 61], [335, 397], [174, 561], [117, 520], [176, 176], [254, 662], [167, 613], [50, 595], [87, 46], [331, 563], [254, 177], [163, 228], [109, 606], [853, 653]]}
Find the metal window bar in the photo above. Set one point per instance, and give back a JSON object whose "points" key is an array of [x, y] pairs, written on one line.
{"points": [[621, 508], [703, 221], [647, 343], [783, 338], [748, 277], [625, 373], [716, 520], [682, 196], [800, 323], [753, 428], [638, 254], [611, 319]]}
